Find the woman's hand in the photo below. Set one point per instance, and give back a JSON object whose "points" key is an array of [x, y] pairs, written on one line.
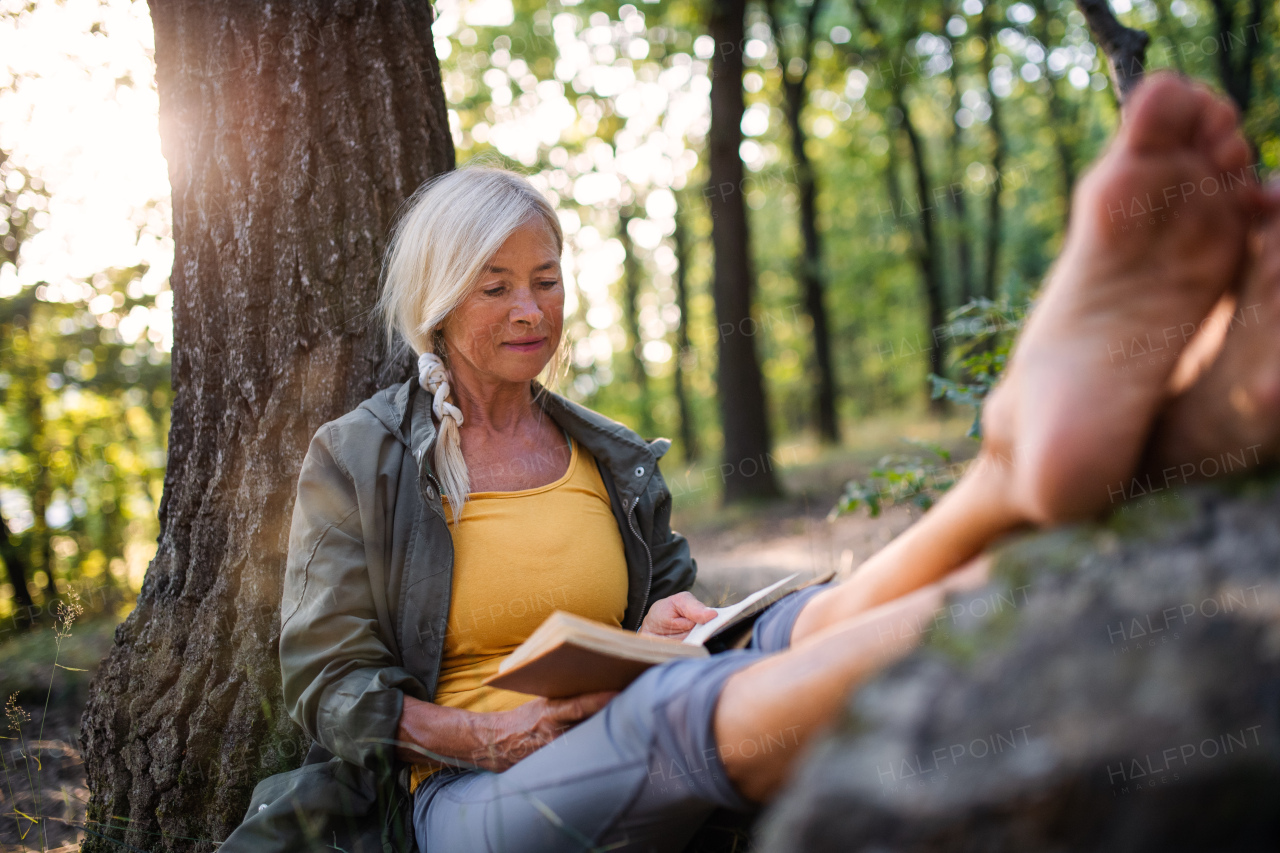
{"points": [[494, 740], [676, 616], [505, 737]]}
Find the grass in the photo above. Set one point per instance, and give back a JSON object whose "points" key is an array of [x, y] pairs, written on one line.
{"points": [[45, 666], [29, 658]]}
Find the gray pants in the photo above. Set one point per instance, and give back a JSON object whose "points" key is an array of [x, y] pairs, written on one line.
{"points": [[641, 775]]}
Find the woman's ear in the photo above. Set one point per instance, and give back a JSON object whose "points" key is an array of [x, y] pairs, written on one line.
{"points": [[438, 345]]}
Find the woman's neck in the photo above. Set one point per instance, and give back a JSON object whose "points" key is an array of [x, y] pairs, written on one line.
{"points": [[498, 407]]}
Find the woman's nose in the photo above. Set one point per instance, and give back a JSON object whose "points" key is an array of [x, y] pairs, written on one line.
{"points": [[525, 309]]}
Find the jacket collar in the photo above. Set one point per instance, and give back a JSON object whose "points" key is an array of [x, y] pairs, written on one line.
{"points": [[405, 410]]}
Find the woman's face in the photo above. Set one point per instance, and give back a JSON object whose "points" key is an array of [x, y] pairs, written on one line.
{"points": [[508, 328]]}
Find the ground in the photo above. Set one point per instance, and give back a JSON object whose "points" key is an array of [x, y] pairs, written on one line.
{"points": [[737, 550]]}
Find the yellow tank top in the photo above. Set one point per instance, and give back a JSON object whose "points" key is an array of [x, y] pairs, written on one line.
{"points": [[518, 556]]}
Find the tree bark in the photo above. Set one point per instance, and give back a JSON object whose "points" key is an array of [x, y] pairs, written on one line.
{"points": [[746, 458], [293, 133], [813, 280]]}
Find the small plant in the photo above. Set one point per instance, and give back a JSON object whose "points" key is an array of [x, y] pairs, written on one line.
{"points": [[982, 332], [65, 615], [898, 479], [16, 716]]}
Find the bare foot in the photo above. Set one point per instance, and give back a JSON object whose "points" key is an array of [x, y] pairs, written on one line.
{"points": [[1228, 419], [1158, 232]]}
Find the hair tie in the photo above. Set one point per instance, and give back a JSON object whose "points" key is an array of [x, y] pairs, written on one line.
{"points": [[433, 377]]}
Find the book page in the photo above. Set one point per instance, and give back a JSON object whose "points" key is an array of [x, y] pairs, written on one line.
{"points": [[701, 633]]}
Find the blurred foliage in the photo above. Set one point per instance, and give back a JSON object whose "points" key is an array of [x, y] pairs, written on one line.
{"points": [[982, 332], [900, 479], [29, 662], [1056, 109], [83, 426]]}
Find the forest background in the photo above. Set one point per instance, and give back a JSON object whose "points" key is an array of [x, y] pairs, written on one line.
{"points": [[908, 171]]}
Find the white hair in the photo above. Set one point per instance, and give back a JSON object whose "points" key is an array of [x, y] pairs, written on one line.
{"points": [[445, 236]]}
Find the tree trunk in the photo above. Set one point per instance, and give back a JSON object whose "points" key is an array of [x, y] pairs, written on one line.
{"points": [[812, 271], [631, 318], [992, 257], [955, 193], [16, 570], [1237, 74], [925, 238], [40, 537], [293, 133], [688, 429], [1062, 123], [746, 458], [927, 255]]}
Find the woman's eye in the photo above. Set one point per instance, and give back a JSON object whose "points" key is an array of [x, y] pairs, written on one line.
{"points": [[550, 282], [493, 291]]}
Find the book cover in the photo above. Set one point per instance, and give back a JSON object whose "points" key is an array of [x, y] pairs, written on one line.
{"points": [[569, 655]]}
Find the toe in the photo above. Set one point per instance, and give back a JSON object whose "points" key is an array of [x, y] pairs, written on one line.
{"points": [[1219, 121], [1232, 156], [1220, 138], [1164, 112], [1271, 196]]}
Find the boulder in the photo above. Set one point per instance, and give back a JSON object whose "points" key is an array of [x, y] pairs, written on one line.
{"points": [[1116, 686]]}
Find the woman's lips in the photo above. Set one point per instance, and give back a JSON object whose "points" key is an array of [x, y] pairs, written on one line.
{"points": [[528, 346]]}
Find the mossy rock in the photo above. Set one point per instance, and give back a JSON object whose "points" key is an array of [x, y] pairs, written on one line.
{"points": [[1129, 701]]}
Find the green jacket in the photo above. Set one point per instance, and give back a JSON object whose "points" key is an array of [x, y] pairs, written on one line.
{"points": [[366, 599]]}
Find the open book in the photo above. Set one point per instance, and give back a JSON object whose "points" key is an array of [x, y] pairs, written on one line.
{"points": [[569, 655]]}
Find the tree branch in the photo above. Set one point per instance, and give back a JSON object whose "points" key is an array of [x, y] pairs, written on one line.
{"points": [[1125, 49]]}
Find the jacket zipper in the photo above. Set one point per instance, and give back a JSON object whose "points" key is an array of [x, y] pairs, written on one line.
{"points": [[649, 587]]}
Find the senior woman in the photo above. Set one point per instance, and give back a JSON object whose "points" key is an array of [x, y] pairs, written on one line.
{"points": [[440, 522]]}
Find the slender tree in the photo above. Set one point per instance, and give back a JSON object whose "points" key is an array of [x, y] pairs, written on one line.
{"points": [[293, 134], [955, 194], [684, 352], [812, 270], [999, 149], [631, 275], [746, 458], [16, 570], [1238, 53], [1062, 117], [927, 242]]}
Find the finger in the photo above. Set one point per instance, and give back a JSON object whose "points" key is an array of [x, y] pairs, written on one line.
{"points": [[691, 608], [583, 706]]}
